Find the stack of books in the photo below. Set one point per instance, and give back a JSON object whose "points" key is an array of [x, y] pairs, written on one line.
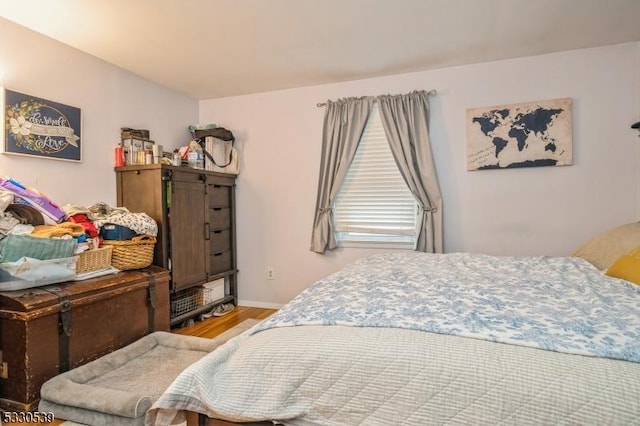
{"points": [[220, 151]]}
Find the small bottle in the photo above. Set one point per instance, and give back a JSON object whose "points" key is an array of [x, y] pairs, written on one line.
{"points": [[133, 155], [177, 161], [192, 159], [157, 154], [148, 157], [119, 160], [200, 161]]}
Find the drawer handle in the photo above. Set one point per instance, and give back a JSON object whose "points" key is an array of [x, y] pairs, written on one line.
{"points": [[217, 208], [218, 254], [217, 186], [207, 231], [217, 232]]}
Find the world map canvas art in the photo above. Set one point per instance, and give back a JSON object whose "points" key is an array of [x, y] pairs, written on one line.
{"points": [[528, 134]]}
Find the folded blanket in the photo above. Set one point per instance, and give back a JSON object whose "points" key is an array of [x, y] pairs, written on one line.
{"points": [[13, 247], [58, 230]]}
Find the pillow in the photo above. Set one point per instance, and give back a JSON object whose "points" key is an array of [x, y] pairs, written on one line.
{"points": [[603, 249], [626, 267]]}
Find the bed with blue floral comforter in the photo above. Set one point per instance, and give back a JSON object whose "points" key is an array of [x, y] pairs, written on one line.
{"points": [[415, 338], [554, 303]]}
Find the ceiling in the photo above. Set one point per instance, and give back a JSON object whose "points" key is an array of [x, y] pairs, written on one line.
{"points": [[218, 48]]}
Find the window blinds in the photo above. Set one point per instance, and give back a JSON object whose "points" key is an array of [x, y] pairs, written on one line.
{"points": [[374, 203]]}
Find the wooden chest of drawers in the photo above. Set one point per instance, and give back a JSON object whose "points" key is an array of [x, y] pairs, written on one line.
{"points": [[195, 212]]}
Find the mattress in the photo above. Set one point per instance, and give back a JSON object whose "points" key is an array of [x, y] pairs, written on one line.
{"points": [[421, 339]]}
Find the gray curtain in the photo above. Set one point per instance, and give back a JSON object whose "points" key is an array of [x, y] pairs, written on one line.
{"points": [[406, 123], [344, 122]]}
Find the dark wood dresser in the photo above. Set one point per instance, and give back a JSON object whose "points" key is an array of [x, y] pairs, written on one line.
{"points": [[195, 212], [47, 330]]}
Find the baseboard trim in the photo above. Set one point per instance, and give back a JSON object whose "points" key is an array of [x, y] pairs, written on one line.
{"points": [[263, 305]]}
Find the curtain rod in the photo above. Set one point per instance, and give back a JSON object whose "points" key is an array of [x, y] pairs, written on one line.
{"points": [[431, 92]]}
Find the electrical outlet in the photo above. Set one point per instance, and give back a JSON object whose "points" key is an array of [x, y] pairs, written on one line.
{"points": [[270, 273]]}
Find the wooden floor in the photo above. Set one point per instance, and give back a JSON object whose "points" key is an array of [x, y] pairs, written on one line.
{"points": [[216, 325], [209, 328]]}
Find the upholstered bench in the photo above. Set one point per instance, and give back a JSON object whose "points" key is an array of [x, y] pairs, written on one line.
{"points": [[119, 388]]}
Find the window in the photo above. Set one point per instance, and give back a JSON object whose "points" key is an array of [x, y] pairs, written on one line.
{"points": [[374, 205]]}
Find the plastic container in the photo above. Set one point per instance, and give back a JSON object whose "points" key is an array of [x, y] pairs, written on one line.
{"points": [[196, 160], [27, 272]]}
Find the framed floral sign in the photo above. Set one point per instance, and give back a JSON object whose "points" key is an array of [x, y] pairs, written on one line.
{"points": [[42, 128]]}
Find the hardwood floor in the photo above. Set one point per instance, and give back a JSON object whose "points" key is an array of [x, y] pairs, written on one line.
{"points": [[209, 328], [213, 326]]}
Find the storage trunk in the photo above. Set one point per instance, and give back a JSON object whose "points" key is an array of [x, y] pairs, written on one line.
{"points": [[47, 330]]}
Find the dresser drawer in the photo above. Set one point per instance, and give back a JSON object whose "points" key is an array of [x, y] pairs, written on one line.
{"points": [[219, 196], [220, 262], [219, 218], [220, 241]]}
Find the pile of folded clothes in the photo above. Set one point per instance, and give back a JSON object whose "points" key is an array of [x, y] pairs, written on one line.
{"points": [[39, 241]]}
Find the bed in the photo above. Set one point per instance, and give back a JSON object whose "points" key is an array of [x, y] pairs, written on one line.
{"points": [[416, 339]]}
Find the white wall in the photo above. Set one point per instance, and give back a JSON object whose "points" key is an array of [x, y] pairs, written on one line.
{"points": [[109, 98], [536, 211]]}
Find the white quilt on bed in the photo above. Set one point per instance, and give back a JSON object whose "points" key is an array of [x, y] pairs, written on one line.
{"points": [[375, 364]]}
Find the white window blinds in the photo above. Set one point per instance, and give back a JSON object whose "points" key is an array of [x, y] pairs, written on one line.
{"points": [[374, 203]]}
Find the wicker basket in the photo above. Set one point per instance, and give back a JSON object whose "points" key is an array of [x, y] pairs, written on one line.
{"points": [[135, 253], [94, 260]]}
